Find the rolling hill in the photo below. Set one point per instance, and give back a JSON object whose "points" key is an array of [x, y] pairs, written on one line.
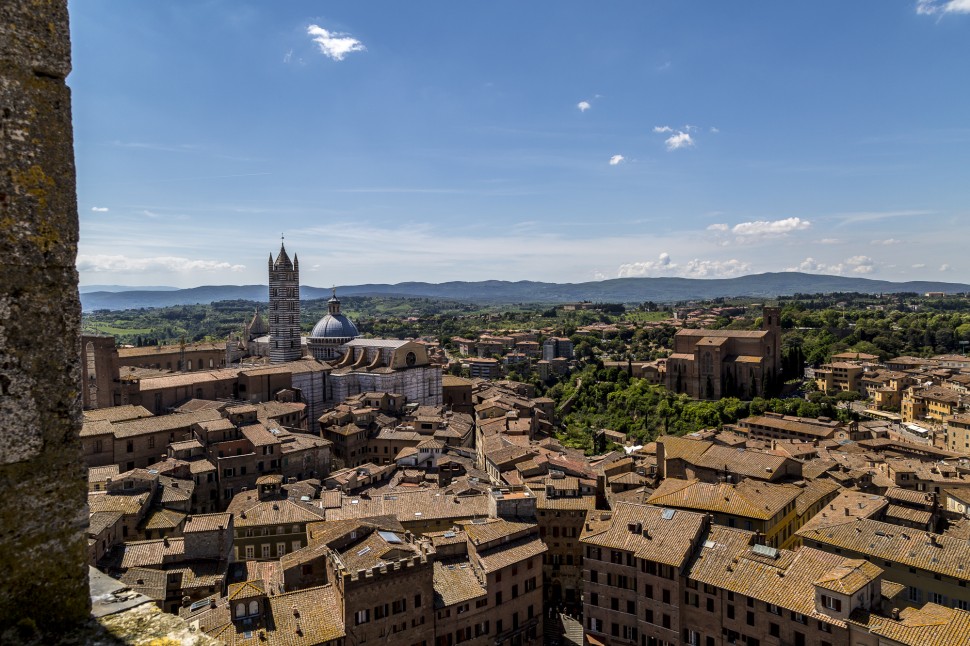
{"points": [[617, 290]]}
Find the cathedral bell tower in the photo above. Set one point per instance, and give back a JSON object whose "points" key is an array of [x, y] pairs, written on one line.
{"points": [[284, 308]]}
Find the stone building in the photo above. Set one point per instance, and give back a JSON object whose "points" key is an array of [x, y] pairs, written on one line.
{"points": [[711, 364], [284, 308], [561, 509]]}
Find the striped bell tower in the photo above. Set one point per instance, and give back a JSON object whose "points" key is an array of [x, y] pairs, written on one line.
{"points": [[284, 308]]}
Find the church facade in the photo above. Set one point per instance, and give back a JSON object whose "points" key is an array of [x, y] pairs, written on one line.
{"points": [[711, 364]]}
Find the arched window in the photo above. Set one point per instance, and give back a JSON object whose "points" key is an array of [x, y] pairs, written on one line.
{"points": [[240, 610], [253, 608], [190, 365]]}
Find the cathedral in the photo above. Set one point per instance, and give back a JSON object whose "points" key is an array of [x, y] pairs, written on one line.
{"points": [[356, 365]]}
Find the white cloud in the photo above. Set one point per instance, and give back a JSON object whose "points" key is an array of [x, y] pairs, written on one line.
{"points": [[718, 227], [715, 130], [617, 159], [944, 267], [696, 268], [932, 7], [99, 209], [716, 268], [679, 140], [660, 129], [334, 45], [919, 265], [831, 241], [861, 264], [583, 106], [855, 264], [122, 264], [887, 241], [770, 227]]}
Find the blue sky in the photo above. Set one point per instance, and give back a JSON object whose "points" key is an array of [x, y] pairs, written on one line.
{"points": [[548, 140]]}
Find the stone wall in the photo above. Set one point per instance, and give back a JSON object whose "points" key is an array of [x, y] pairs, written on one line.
{"points": [[43, 550]]}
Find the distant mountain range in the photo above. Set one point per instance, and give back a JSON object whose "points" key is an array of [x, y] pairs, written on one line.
{"points": [[617, 290], [85, 289]]}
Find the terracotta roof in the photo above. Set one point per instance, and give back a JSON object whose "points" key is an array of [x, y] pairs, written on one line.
{"points": [[153, 553], [117, 413], [512, 552], [935, 553], [207, 522], [899, 513], [670, 534], [455, 583], [783, 578], [849, 577], [163, 423], [163, 519], [749, 499], [931, 625], [245, 590], [249, 511]]}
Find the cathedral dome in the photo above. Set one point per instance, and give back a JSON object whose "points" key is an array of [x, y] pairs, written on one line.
{"points": [[334, 326]]}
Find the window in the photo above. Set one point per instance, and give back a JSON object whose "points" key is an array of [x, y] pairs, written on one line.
{"points": [[666, 595], [240, 610], [773, 609], [130, 446], [250, 551], [692, 637], [665, 621], [498, 598], [937, 598], [774, 630], [834, 604], [280, 549], [749, 619], [417, 601], [594, 599], [253, 608], [361, 617], [266, 551]]}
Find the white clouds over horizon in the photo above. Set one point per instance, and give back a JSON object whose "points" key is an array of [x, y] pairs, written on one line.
{"points": [[761, 228], [855, 265], [334, 45], [103, 263], [696, 268]]}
